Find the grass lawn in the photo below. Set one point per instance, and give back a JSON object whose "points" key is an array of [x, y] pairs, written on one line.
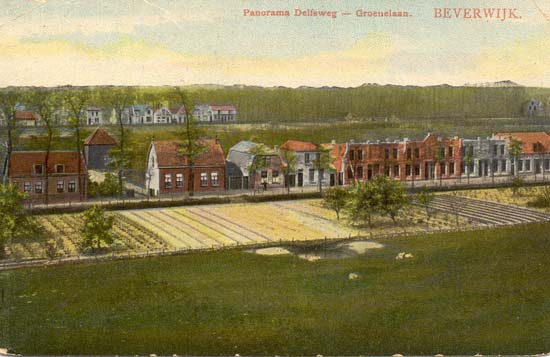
{"points": [[462, 293]]}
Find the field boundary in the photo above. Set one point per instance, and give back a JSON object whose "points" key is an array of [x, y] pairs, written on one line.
{"points": [[83, 259]]}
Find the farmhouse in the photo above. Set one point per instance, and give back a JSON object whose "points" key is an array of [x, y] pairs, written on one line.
{"points": [[96, 149], [62, 178], [169, 170], [260, 165], [26, 118]]}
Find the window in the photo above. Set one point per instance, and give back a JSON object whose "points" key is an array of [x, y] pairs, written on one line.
{"points": [[59, 168], [408, 170], [416, 169], [275, 177], [503, 166], [204, 178], [311, 175], [306, 158], [443, 169], [396, 171], [416, 152], [264, 174], [495, 166], [38, 187], [38, 169], [360, 154], [409, 153], [527, 165], [387, 170], [386, 153], [360, 172], [495, 150], [546, 164], [71, 186], [451, 168], [168, 181], [60, 186], [441, 151], [352, 155], [214, 179], [450, 151], [520, 165], [502, 150], [179, 180], [27, 186], [395, 152]]}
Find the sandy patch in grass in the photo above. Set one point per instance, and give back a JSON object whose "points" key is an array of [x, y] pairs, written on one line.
{"points": [[361, 247], [270, 251]]}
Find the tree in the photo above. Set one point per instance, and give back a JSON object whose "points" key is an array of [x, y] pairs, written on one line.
{"points": [[259, 152], [517, 186], [439, 156], [77, 100], [336, 199], [391, 197], [363, 203], [45, 102], [289, 167], [97, 228], [322, 162], [515, 148], [425, 199], [192, 147], [119, 99], [468, 158], [9, 99], [15, 222]]}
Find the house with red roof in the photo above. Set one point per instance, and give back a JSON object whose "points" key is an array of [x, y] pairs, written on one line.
{"points": [[535, 152], [96, 149], [306, 174], [61, 175], [215, 113], [169, 170], [26, 118]]}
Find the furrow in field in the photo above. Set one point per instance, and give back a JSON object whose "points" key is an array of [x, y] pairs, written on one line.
{"points": [[202, 238], [177, 242]]}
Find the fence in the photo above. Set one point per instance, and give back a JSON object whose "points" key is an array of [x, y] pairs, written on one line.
{"points": [[113, 256]]}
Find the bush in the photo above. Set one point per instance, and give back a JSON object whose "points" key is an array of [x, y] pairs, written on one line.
{"points": [[542, 200]]}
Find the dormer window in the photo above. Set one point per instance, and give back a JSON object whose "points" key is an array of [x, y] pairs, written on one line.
{"points": [[59, 168], [38, 169]]}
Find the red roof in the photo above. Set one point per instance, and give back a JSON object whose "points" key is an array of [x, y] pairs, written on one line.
{"points": [[100, 137], [295, 145], [175, 110], [223, 107], [25, 115], [22, 162], [529, 140], [168, 153]]}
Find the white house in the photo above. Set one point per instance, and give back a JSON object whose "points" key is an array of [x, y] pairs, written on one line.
{"points": [[94, 115], [138, 114], [215, 113], [305, 172]]}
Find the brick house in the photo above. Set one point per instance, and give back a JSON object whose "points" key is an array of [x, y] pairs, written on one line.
{"points": [[434, 157], [169, 172], [258, 167], [305, 173], [65, 182], [535, 152], [96, 149]]}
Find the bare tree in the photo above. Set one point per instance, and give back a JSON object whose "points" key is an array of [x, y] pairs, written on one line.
{"points": [[77, 100], [9, 100]]}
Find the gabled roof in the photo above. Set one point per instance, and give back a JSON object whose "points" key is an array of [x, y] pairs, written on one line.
{"points": [[168, 153], [94, 108], [175, 110], [22, 162], [25, 115], [223, 107], [528, 140], [243, 146], [100, 137], [295, 145]]}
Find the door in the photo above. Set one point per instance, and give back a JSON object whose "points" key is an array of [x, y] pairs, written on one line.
{"points": [[332, 180], [300, 179]]}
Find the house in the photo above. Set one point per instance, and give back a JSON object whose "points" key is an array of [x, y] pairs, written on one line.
{"points": [[179, 114], [94, 115], [215, 113], [26, 118], [162, 115], [306, 174], [337, 153], [96, 149], [535, 108], [535, 152], [433, 157], [66, 172], [169, 170], [483, 157], [138, 114], [259, 165]]}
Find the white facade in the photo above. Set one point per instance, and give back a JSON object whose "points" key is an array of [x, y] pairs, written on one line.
{"points": [[152, 175], [215, 113], [94, 116]]}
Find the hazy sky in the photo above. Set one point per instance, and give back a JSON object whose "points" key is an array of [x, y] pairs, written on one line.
{"points": [[158, 42]]}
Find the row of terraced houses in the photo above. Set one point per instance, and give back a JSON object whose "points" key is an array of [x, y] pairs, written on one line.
{"points": [[169, 170]]}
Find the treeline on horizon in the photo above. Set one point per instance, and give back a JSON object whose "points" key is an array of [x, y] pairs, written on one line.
{"points": [[281, 104]]}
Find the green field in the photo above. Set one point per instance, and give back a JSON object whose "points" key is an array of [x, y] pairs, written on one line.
{"points": [[462, 293]]}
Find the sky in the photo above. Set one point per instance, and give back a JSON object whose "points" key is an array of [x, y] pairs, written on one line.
{"points": [[181, 42]]}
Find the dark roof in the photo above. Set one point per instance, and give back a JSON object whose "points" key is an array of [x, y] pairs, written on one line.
{"points": [[168, 153], [21, 162], [100, 137]]}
